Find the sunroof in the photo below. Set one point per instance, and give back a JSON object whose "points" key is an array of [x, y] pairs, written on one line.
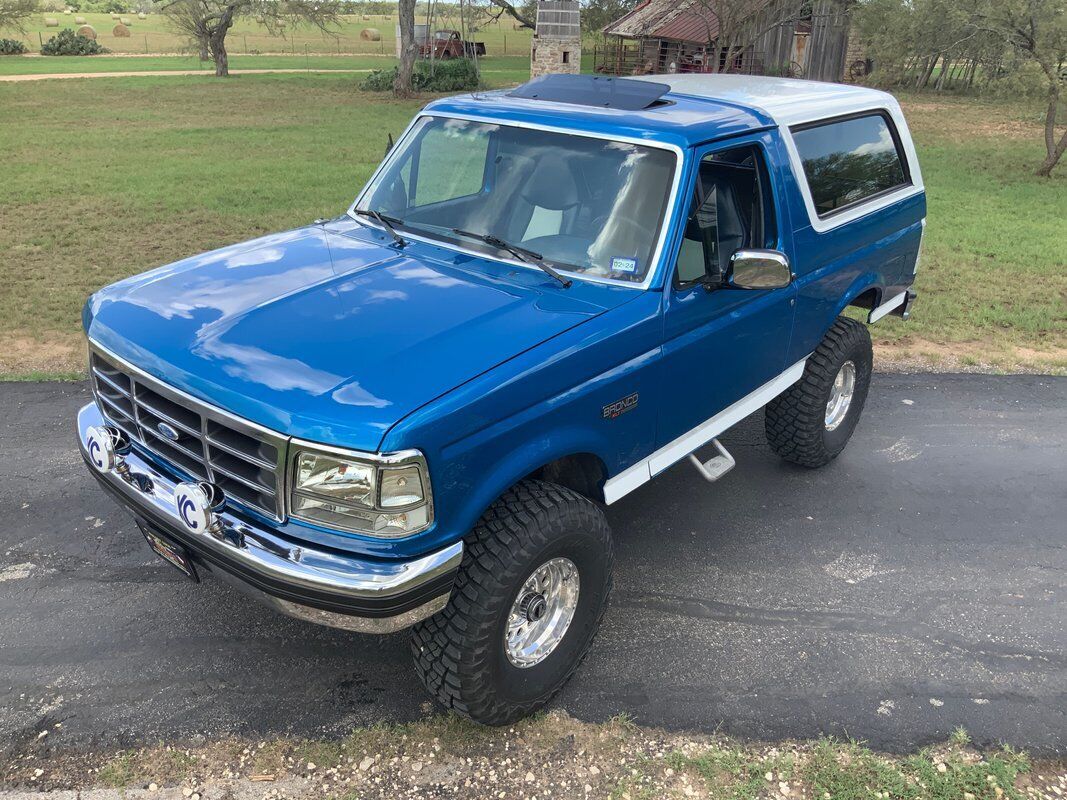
{"points": [[593, 90]]}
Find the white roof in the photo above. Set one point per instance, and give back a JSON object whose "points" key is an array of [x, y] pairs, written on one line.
{"points": [[786, 100]]}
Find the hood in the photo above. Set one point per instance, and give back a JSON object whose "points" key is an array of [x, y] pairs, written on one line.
{"points": [[330, 334]]}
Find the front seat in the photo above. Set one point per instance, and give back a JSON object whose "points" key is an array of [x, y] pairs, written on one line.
{"points": [[718, 229], [547, 204]]}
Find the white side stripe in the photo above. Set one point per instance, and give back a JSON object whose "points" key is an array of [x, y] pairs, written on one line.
{"points": [[643, 471], [877, 313]]}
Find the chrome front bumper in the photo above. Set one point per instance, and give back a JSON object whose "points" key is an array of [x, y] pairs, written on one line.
{"points": [[325, 587]]}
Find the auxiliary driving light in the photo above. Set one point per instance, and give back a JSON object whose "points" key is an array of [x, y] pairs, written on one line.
{"points": [[106, 446], [197, 504]]}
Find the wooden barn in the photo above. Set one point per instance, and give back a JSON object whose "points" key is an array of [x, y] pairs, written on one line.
{"points": [[760, 37]]}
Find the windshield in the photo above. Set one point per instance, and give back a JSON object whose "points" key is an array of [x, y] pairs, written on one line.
{"points": [[587, 206]]}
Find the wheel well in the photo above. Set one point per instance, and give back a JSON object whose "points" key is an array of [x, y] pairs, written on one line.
{"points": [[581, 472], [867, 299]]}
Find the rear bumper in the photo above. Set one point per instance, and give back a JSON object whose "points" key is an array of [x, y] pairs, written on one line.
{"points": [[322, 586]]}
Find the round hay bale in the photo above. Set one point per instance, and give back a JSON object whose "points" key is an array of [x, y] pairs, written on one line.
{"points": [[126, 22], [370, 35], [66, 11], [79, 20], [51, 22], [120, 31], [142, 15], [366, 16], [115, 15], [88, 31]]}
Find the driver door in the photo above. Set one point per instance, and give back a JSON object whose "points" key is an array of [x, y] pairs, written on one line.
{"points": [[722, 343]]}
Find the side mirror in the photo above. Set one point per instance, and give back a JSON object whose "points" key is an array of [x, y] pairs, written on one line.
{"points": [[759, 269]]}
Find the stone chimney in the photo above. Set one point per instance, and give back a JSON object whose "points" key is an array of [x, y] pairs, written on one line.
{"points": [[556, 46]]}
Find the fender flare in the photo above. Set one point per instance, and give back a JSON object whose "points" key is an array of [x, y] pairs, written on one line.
{"points": [[863, 283], [527, 458]]}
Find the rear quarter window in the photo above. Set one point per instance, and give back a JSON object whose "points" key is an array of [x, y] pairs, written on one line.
{"points": [[848, 161]]}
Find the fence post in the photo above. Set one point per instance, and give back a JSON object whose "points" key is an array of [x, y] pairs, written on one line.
{"points": [[505, 44], [307, 59], [40, 38], [246, 44], [146, 44]]}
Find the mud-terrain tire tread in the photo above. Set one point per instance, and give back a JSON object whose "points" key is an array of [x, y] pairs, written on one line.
{"points": [[453, 650], [795, 420]]}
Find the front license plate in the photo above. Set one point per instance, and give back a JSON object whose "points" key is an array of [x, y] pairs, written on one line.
{"points": [[170, 552]]}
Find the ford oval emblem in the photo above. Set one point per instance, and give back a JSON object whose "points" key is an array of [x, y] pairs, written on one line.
{"points": [[167, 431]]}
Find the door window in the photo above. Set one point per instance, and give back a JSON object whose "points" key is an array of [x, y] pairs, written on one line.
{"points": [[848, 161], [731, 209]]}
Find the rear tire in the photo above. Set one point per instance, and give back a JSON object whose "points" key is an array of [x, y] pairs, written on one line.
{"points": [[811, 422], [463, 654]]}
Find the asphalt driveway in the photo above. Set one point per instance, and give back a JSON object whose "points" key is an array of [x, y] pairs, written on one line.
{"points": [[916, 584]]}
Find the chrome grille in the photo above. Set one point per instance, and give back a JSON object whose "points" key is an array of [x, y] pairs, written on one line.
{"points": [[242, 458]]}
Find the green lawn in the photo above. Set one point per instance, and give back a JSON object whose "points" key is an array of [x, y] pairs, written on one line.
{"points": [[105, 178], [993, 278], [13, 65], [497, 69], [154, 35]]}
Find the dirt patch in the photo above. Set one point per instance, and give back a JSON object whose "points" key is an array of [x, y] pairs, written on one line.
{"points": [[59, 353], [921, 355], [552, 756]]}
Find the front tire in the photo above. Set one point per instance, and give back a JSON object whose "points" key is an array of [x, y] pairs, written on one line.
{"points": [[528, 599], [811, 422]]}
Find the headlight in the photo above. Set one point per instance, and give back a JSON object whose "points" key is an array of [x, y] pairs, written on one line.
{"points": [[387, 496]]}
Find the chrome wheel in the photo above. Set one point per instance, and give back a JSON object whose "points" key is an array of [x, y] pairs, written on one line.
{"points": [[542, 612], [841, 395]]}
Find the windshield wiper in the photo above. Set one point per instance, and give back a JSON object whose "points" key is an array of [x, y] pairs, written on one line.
{"points": [[386, 222], [521, 253]]}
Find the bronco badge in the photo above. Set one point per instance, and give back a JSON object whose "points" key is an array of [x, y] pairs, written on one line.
{"points": [[619, 407]]}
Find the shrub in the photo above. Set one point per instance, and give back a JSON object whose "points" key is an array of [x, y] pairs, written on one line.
{"points": [[438, 76], [11, 47], [69, 43]]}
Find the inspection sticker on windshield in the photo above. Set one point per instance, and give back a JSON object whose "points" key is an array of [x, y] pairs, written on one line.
{"points": [[619, 264]]}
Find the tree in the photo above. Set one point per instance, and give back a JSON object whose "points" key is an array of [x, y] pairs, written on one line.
{"points": [[596, 14], [1037, 31], [733, 26], [524, 14], [409, 49], [13, 14], [206, 22]]}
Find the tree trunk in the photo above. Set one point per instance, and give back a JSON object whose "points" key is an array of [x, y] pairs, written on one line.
{"points": [[217, 43], [409, 49], [946, 69], [1053, 149], [205, 54], [219, 56], [924, 78]]}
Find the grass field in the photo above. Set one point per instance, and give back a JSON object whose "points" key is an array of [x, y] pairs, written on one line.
{"points": [[154, 35], [80, 64], [106, 178], [497, 69]]}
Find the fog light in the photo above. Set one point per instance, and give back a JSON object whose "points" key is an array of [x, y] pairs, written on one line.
{"points": [[196, 504], [100, 444]]}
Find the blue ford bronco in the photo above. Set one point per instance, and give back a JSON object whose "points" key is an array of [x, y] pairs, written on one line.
{"points": [[413, 414]]}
